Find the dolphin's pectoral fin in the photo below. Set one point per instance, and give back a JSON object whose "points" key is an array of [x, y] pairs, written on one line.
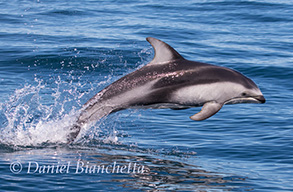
{"points": [[208, 110]]}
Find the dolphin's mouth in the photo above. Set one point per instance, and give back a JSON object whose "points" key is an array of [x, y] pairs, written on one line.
{"points": [[256, 99], [260, 98]]}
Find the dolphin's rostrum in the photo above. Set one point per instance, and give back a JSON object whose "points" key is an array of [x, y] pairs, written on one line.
{"points": [[170, 81]]}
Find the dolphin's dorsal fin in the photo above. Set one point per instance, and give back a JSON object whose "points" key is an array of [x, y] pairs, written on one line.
{"points": [[163, 52]]}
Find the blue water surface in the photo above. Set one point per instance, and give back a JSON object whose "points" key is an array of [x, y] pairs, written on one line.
{"points": [[55, 55]]}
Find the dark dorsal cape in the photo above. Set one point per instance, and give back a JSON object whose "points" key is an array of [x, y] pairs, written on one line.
{"points": [[167, 65]]}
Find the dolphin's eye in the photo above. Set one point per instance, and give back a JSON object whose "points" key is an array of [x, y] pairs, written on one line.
{"points": [[244, 94]]}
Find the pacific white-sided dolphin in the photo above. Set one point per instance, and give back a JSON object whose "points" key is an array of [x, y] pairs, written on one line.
{"points": [[170, 81]]}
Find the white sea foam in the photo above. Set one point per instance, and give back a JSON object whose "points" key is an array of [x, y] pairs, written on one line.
{"points": [[37, 114]]}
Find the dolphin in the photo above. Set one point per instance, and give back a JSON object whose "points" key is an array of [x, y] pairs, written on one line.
{"points": [[170, 81]]}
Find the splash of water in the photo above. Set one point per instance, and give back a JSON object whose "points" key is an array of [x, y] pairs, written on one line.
{"points": [[31, 117], [38, 114]]}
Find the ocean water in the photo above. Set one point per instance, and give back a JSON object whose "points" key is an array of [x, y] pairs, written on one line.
{"points": [[55, 55]]}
